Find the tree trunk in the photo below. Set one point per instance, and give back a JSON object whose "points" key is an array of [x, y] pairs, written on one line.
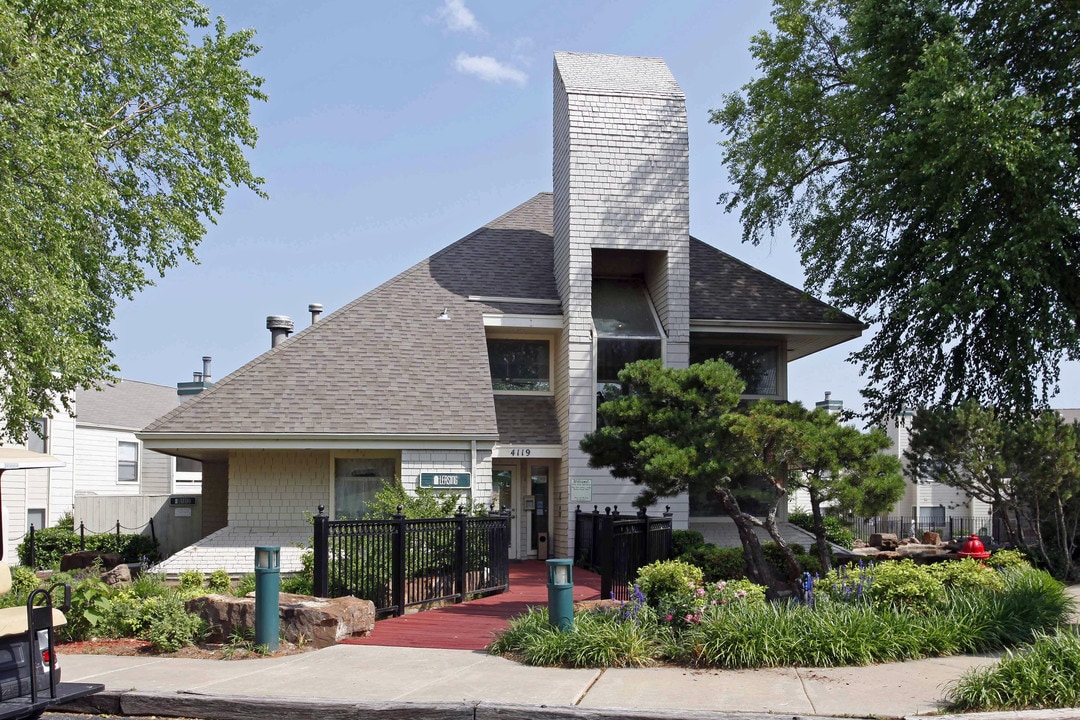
{"points": [[793, 567], [757, 568], [819, 531]]}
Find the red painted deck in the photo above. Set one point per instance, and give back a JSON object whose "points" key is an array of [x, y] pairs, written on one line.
{"points": [[472, 625]]}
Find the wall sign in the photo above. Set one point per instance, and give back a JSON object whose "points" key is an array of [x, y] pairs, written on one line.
{"points": [[181, 501], [449, 481], [581, 489]]}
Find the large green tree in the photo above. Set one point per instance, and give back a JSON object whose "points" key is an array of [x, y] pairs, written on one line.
{"points": [[120, 135], [837, 465], [1026, 465], [925, 155], [670, 433]]}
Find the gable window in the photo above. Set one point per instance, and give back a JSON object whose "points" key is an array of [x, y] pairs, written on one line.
{"points": [[626, 331], [356, 481], [519, 365], [127, 462], [756, 363], [38, 438]]}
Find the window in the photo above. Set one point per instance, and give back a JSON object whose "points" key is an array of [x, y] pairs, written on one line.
{"points": [[35, 517], [626, 331], [127, 462], [188, 471], [38, 440], [756, 363], [520, 365], [755, 495], [356, 481]]}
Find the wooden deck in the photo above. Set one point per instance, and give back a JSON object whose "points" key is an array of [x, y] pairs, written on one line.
{"points": [[472, 625]]}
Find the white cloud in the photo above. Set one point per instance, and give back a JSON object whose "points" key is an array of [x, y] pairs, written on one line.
{"points": [[458, 18], [489, 69]]}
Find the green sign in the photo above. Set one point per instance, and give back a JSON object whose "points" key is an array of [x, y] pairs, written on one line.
{"points": [[448, 481]]}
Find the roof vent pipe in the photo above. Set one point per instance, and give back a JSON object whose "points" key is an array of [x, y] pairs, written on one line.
{"points": [[316, 310], [196, 376], [206, 368], [280, 327]]}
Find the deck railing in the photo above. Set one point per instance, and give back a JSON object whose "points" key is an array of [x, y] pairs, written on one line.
{"points": [[401, 563], [616, 546]]}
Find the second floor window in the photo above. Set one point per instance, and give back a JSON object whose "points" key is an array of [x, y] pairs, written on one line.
{"points": [[520, 365], [127, 462]]}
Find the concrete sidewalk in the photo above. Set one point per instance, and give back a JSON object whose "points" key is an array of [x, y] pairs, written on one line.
{"points": [[377, 679]]}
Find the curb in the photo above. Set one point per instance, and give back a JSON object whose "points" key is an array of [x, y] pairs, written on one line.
{"points": [[239, 707]]}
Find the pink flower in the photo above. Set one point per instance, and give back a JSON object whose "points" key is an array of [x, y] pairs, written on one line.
{"points": [[701, 592], [721, 585], [713, 602], [669, 618], [689, 618], [740, 594]]}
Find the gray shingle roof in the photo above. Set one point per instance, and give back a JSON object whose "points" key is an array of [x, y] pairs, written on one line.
{"points": [[127, 404], [527, 420], [594, 74], [725, 288], [384, 365]]}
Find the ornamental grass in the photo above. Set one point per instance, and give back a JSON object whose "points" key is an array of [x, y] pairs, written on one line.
{"points": [[743, 633]]}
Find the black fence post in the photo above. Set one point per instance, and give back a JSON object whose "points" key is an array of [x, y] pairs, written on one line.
{"points": [[153, 535], [577, 534], [33, 563], [604, 544], [459, 554], [321, 551], [643, 558], [82, 535], [397, 568], [118, 534]]}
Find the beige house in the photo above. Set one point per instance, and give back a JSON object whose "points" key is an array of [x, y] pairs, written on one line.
{"points": [[480, 368]]}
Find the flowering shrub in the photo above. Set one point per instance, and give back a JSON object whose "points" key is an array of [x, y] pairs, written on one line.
{"points": [[670, 577], [700, 602]]}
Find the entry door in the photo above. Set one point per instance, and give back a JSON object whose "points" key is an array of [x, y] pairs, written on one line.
{"points": [[507, 495]]}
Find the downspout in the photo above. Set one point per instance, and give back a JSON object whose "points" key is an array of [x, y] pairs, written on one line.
{"points": [[472, 463]]}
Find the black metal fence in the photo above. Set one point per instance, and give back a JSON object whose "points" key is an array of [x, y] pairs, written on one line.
{"points": [[402, 563], [951, 527], [616, 546]]}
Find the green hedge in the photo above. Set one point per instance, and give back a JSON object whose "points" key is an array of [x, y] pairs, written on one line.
{"points": [[50, 544]]}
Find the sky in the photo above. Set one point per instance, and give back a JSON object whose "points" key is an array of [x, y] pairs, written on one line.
{"points": [[395, 129]]}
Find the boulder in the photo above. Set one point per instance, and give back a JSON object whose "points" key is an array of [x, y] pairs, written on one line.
{"points": [[885, 541], [323, 622], [118, 576], [931, 538], [86, 558], [318, 622]]}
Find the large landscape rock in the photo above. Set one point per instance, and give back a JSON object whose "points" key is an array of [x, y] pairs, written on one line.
{"points": [[885, 541], [318, 622]]}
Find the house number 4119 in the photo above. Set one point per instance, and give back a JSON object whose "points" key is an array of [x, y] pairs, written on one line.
{"points": [[520, 452]]}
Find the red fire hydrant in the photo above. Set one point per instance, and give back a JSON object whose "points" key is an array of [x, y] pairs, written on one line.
{"points": [[973, 548]]}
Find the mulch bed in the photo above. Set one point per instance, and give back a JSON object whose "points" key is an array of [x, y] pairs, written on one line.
{"points": [[131, 646]]}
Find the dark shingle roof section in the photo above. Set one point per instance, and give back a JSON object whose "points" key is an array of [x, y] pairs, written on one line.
{"points": [[127, 404], [384, 364], [725, 288], [527, 420]]}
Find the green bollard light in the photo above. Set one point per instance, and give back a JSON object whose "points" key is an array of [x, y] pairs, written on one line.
{"points": [[561, 592], [267, 591]]}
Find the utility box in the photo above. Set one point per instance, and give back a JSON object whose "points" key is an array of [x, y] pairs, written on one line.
{"points": [[542, 546]]}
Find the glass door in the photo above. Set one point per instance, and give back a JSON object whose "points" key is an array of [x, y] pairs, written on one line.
{"points": [[538, 490], [503, 494]]}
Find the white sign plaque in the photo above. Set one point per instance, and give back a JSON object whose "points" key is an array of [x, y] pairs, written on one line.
{"points": [[580, 489]]}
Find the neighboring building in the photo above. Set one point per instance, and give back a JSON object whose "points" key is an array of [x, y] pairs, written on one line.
{"points": [[110, 460], [479, 369], [101, 456], [39, 497], [927, 500]]}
